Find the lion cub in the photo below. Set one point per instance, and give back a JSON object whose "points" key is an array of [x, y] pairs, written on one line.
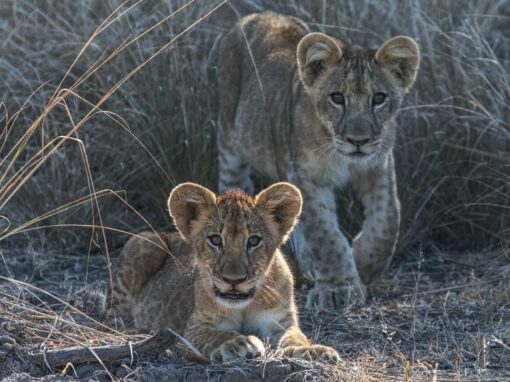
{"points": [[223, 282], [311, 109]]}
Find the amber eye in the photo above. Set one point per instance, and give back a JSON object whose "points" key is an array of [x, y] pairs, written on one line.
{"points": [[337, 98], [378, 98], [215, 240], [254, 241]]}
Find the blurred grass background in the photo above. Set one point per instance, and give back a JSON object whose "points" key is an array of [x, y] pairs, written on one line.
{"points": [[158, 128]]}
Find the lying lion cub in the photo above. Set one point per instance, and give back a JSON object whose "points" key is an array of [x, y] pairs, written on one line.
{"points": [[223, 282]]}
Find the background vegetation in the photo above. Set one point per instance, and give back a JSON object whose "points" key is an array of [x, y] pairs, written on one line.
{"points": [[107, 104], [158, 127]]}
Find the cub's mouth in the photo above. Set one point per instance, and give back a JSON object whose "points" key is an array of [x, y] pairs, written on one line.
{"points": [[360, 153], [234, 295]]}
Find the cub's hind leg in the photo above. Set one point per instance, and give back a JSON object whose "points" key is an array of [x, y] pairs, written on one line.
{"points": [[234, 171], [142, 256]]}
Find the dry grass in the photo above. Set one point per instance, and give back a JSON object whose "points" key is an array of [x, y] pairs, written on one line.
{"points": [[158, 126], [107, 104]]}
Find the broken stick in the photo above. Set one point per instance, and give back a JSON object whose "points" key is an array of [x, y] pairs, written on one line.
{"points": [[109, 353]]}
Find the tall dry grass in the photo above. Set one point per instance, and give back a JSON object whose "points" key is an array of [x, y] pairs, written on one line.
{"points": [[107, 104]]}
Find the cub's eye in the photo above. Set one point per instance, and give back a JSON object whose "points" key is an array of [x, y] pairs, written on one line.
{"points": [[254, 241], [337, 98], [215, 240], [378, 98]]}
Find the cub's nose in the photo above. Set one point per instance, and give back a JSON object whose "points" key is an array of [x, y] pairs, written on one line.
{"points": [[357, 141], [234, 273], [234, 280]]}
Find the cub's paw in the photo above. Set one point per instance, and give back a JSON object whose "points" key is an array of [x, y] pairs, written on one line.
{"points": [[325, 296], [238, 347], [312, 353]]}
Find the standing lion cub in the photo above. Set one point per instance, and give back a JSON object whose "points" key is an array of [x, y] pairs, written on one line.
{"points": [[310, 109], [223, 282]]}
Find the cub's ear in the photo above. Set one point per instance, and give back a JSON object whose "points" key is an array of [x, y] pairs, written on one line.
{"points": [[399, 58], [281, 204], [315, 53], [188, 202]]}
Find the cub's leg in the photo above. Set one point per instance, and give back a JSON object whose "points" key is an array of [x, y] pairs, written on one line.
{"points": [[225, 345], [374, 247], [142, 256], [323, 252], [294, 344], [220, 345], [234, 171]]}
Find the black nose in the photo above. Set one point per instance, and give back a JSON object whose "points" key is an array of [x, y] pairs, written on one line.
{"points": [[357, 141], [233, 272]]}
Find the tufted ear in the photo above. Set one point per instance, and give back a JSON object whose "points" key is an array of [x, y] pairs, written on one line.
{"points": [[399, 58], [188, 203], [315, 53], [281, 203]]}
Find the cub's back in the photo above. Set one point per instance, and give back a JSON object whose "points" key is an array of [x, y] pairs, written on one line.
{"points": [[269, 33], [270, 37], [252, 103]]}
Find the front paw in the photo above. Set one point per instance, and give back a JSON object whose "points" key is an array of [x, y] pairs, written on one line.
{"points": [[238, 347], [312, 353], [326, 296]]}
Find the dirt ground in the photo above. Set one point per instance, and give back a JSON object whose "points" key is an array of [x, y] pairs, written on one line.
{"points": [[445, 317]]}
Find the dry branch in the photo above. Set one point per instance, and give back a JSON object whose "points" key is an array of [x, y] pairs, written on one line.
{"points": [[106, 354]]}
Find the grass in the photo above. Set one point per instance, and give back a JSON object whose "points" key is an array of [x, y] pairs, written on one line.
{"points": [[108, 104], [141, 95]]}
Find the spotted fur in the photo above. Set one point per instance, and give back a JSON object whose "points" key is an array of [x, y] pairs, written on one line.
{"points": [[279, 116], [226, 299]]}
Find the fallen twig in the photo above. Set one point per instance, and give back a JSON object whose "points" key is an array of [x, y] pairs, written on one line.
{"points": [[109, 353]]}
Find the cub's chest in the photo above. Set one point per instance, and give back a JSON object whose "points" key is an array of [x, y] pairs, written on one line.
{"points": [[263, 324], [315, 165]]}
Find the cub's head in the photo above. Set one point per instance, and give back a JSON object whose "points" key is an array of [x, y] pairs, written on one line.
{"points": [[356, 91], [234, 236]]}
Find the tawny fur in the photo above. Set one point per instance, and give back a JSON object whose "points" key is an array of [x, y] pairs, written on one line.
{"points": [[175, 280], [277, 116]]}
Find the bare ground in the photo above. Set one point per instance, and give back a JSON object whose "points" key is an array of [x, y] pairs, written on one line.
{"points": [[445, 317]]}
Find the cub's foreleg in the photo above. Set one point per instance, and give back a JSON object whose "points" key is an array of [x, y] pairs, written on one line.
{"points": [[221, 345], [323, 251], [295, 344], [374, 247]]}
